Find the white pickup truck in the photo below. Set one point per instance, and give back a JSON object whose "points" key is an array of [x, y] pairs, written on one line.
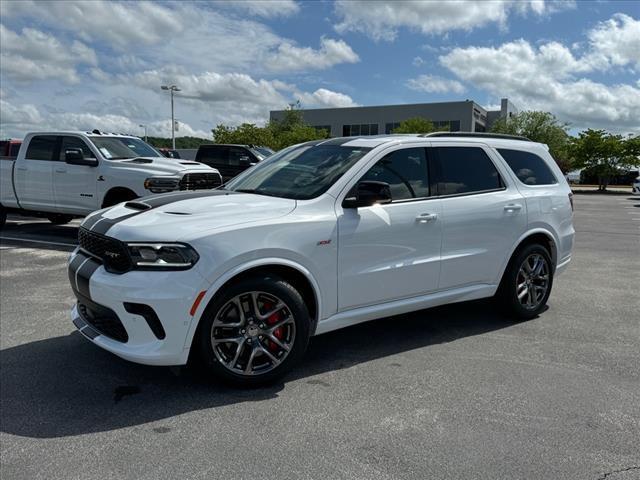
{"points": [[61, 175]]}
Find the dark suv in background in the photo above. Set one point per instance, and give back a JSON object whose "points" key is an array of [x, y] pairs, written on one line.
{"points": [[231, 160]]}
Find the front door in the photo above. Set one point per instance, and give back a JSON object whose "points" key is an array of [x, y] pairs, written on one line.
{"points": [[75, 185], [388, 252]]}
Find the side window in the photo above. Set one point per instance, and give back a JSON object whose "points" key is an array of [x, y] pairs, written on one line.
{"points": [[465, 170], [75, 142], [235, 154], [41, 147], [405, 171], [528, 167]]}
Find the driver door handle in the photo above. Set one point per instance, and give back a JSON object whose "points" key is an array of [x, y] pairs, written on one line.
{"points": [[61, 170], [426, 217], [513, 207]]}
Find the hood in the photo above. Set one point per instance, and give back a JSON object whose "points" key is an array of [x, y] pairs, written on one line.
{"points": [[161, 165], [183, 215]]}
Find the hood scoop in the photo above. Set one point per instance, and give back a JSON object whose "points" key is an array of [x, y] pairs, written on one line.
{"points": [[140, 160], [138, 205]]}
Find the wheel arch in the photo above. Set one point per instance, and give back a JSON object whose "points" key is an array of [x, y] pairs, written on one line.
{"points": [[539, 235], [114, 193], [299, 276]]}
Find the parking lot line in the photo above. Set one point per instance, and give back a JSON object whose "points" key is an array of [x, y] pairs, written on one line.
{"points": [[26, 240]]}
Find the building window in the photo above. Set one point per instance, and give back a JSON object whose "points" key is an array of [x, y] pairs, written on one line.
{"points": [[390, 127], [359, 129], [479, 128], [455, 126]]}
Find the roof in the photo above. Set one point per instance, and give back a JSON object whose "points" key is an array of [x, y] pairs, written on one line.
{"points": [[372, 141], [81, 132]]}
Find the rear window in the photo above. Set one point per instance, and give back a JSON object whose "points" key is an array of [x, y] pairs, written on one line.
{"points": [[464, 170], [41, 147], [528, 167]]}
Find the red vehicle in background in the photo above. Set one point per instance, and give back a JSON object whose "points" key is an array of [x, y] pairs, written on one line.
{"points": [[9, 149]]}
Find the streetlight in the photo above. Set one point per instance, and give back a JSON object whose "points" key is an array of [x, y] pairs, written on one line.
{"points": [[145, 131], [172, 89]]}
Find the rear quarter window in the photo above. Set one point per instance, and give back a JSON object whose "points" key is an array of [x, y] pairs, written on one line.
{"points": [[41, 147], [528, 167]]}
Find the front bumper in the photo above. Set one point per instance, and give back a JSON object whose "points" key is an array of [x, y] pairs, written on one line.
{"points": [[168, 294]]}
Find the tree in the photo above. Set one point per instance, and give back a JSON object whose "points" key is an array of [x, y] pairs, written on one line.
{"points": [[540, 127], [181, 142], [277, 134], [604, 154], [415, 125]]}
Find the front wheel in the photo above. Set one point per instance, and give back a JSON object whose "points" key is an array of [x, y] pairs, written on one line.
{"points": [[59, 219], [254, 332], [526, 284]]}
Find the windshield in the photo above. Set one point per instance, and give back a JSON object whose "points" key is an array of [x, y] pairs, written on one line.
{"points": [[118, 148], [301, 172], [262, 152]]}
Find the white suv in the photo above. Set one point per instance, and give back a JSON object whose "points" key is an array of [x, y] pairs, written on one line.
{"points": [[317, 237]]}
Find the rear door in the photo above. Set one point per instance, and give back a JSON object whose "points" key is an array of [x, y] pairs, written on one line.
{"points": [[217, 156], [75, 185], [483, 214], [34, 174]]}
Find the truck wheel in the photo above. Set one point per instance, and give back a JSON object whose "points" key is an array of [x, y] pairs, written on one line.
{"points": [[59, 219], [526, 284], [254, 332]]}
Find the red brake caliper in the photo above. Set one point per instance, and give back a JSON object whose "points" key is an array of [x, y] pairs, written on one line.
{"points": [[272, 320]]}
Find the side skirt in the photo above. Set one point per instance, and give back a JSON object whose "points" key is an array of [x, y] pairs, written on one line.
{"points": [[405, 305]]}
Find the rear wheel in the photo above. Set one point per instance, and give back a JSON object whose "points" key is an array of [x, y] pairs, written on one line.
{"points": [[526, 284], [59, 219], [254, 332]]}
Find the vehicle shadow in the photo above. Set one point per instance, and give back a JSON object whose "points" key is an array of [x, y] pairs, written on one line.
{"points": [[18, 233], [66, 386]]}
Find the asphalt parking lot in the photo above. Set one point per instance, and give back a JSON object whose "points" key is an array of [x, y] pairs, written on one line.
{"points": [[449, 393]]}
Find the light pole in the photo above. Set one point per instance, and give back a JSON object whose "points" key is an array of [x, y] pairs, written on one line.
{"points": [[145, 131], [172, 89]]}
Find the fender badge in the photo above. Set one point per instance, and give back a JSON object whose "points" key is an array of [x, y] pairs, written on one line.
{"points": [[324, 242]]}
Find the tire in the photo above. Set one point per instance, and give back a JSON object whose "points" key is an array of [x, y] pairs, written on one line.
{"points": [[59, 219], [235, 362], [524, 291]]}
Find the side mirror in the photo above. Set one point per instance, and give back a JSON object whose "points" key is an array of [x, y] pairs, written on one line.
{"points": [[74, 156], [367, 193]]}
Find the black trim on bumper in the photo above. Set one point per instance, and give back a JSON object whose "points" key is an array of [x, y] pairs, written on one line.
{"points": [[149, 314]]}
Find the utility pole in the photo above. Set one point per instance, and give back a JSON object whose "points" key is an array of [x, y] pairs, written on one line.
{"points": [[172, 89], [145, 132]]}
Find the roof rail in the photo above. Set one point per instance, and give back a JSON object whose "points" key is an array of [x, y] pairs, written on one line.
{"points": [[476, 135]]}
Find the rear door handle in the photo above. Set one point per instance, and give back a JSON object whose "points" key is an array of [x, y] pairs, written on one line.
{"points": [[24, 169], [426, 217], [514, 207]]}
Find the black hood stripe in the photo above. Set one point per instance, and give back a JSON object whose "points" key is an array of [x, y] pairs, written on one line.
{"points": [[100, 224]]}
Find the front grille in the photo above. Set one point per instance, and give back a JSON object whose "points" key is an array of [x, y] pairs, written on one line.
{"points": [[200, 181], [103, 319], [112, 252]]}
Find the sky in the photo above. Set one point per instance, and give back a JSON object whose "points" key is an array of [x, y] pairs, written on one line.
{"points": [[100, 64]]}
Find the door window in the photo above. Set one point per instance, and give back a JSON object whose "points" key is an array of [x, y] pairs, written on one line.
{"points": [[235, 154], [41, 147], [405, 171], [75, 142], [528, 167], [464, 170]]}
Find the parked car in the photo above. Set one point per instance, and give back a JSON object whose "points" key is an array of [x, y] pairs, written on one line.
{"points": [[635, 188], [318, 237], [9, 149], [231, 160], [60, 175], [169, 153]]}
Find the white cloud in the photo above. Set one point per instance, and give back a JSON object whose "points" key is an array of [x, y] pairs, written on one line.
{"points": [[418, 61], [381, 19], [19, 119], [545, 78], [291, 58], [264, 8], [323, 98], [617, 40], [35, 55], [435, 84]]}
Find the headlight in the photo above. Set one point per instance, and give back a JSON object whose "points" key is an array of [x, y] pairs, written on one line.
{"points": [[161, 184], [168, 256]]}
